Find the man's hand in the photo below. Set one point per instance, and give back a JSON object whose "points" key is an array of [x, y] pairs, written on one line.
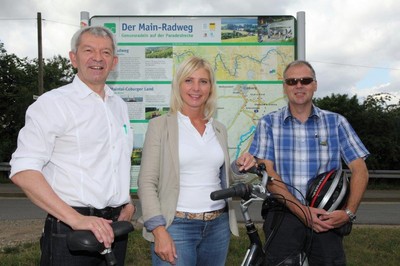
{"points": [[336, 218], [127, 212], [245, 161], [316, 219], [100, 227]]}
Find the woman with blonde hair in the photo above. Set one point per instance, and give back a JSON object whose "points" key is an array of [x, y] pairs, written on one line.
{"points": [[185, 158]]}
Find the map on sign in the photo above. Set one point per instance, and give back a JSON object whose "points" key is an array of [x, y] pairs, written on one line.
{"points": [[248, 55], [240, 105], [241, 63]]}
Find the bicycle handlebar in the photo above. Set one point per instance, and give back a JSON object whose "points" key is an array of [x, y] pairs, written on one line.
{"points": [[242, 190], [239, 190]]}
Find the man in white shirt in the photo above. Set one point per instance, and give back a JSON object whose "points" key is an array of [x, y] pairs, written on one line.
{"points": [[73, 155]]}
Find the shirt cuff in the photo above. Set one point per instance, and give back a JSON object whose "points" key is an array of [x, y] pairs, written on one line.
{"points": [[22, 164], [155, 222]]}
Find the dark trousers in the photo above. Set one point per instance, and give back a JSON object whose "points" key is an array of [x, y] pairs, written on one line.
{"points": [[54, 247], [288, 240]]}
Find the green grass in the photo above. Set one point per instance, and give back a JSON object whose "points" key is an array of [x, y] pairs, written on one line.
{"points": [[366, 245], [24, 254], [373, 246], [250, 39]]}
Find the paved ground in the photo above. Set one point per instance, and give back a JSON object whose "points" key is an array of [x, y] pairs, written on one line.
{"points": [[22, 221], [378, 207], [11, 190]]}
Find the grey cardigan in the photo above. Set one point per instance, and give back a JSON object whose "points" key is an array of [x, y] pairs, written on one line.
{"points": [[158, 183]]}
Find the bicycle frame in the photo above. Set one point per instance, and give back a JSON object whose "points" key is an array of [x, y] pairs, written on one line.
{"points": [[249, 193], [255, 253]]}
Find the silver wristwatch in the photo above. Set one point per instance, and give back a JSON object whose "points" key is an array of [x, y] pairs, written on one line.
{"points": [[351, 215]]}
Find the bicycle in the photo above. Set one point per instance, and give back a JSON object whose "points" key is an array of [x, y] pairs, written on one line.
{"points": [[84, 240], [249, 193], [252, 192]]}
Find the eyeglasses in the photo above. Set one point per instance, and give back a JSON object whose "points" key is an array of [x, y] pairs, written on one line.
{"points": [[303, 81]]}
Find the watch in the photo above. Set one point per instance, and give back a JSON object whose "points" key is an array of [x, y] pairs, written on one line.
{"points": [[351, 215]]}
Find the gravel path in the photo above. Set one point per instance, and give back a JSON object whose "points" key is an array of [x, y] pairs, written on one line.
{"points": [[14, 232]]}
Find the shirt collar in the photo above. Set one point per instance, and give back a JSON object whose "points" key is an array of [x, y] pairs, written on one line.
{"points": [[184, 117], [83, 90], [315, 112]]}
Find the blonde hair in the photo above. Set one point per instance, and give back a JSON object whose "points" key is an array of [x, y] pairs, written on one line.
{"points": [[185, 69]]}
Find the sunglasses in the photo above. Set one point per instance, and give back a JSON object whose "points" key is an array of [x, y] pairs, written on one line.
{"points": [[303, 81]]}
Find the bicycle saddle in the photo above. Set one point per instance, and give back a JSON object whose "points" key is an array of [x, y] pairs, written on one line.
{"points": [[85, 240]]}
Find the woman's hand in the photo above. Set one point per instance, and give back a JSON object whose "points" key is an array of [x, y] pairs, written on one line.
{"points": [[164, 245]]}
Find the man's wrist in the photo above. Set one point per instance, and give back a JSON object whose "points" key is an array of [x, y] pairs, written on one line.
{"points": [[352, 216]]}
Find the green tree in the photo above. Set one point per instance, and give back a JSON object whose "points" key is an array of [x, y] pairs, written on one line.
{"points": [[15, 96], [382, 130], [376, 123], [342, 104], [18, 85]]}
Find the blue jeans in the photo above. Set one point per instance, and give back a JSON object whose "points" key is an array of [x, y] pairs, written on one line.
{"points": [[201, 243]]}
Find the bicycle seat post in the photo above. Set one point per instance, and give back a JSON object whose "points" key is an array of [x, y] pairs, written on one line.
{"points": [[109, 256]]}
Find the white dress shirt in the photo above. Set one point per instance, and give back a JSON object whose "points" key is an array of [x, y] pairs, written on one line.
{"points": [[81, 143]]}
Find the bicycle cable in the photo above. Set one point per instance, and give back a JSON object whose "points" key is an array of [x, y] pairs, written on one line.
{"points": [[306, 246]]}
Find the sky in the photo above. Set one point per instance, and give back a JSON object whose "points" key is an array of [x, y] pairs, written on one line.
{"points": [[352, 44]]}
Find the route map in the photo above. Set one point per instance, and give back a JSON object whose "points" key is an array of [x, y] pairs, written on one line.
{"points": [[241, 100]]}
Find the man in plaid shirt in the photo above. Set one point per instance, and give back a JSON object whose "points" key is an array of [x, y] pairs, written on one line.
{"points": [[297, 143]]}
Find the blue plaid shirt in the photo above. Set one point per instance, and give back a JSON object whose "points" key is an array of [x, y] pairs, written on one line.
{"points": [[301, 151]]}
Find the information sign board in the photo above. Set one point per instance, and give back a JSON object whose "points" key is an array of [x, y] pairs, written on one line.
{"points": [[248, 55]]}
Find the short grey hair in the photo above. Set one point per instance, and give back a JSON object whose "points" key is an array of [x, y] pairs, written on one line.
{"points": [[96, 31], [299, 63]]}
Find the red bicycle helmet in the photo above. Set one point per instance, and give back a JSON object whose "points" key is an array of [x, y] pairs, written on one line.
{"points": [[328, 191]]}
